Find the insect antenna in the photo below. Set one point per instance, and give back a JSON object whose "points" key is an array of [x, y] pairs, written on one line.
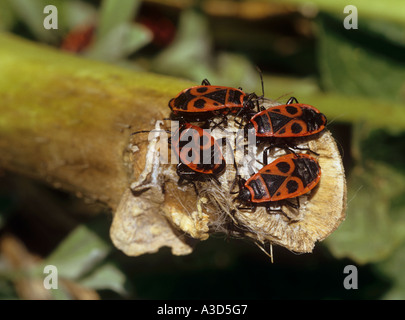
{"points": [[149, 131], [291, 100], [261, 80]]}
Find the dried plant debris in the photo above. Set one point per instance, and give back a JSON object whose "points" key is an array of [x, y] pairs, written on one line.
{"points": [[157, 211]]}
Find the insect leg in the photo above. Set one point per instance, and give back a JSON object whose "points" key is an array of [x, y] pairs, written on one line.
{"points": [[224, 120], [252, 208], [205, 82], [293, 205], [270, 210], [291, 100], [265, 156], [305, 149]]}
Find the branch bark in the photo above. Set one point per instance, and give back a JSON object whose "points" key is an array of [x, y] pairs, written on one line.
{"points": [[66, 120]]}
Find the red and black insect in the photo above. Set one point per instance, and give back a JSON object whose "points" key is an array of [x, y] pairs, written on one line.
{"points": [[206, 101], [287, 177], [291, 120], [198, 154]]}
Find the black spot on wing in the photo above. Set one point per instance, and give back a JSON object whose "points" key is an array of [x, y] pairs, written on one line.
{"points": [[291, 110], [273, 182], [202, 89], [296, 128], [283, 166], [292, 186], [199, 103], [181, 102], [278, 121], [217, 95]]}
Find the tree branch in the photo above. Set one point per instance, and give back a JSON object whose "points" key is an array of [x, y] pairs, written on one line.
{"points": [[66, 120]]}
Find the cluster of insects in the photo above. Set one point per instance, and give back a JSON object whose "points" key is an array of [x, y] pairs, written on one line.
{"points": [[287, 177]]}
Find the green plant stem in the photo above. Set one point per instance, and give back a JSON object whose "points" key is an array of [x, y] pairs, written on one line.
{"points": [[66, 120]]}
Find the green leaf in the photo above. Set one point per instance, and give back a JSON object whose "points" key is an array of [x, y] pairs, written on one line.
{"points": [[7, 290], [32, 14], [117, 35], [362, 62], [391, 10], [76, 13], [374, 225], [189, 55], [79, 253], [115, 13], [119, 42], [386, 146], [393, 269], [235, 70], [106, 276]]}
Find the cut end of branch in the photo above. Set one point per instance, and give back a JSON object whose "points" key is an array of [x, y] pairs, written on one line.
{"points": [[157, 212]]}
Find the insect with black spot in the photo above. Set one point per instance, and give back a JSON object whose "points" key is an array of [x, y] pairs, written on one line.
{"points": [[292, 120], [283, 125], [198, 153], [287, 177], [206, 101]]}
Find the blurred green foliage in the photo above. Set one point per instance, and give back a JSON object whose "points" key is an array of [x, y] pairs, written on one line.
{"points": [[356, 77]]}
